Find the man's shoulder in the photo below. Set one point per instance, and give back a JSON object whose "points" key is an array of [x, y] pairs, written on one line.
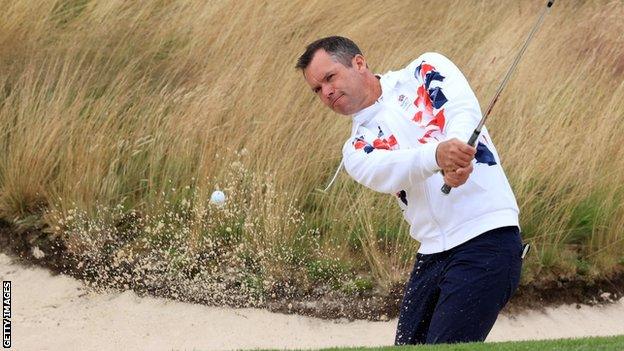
{"points": [[411, 70], [431, 58]]}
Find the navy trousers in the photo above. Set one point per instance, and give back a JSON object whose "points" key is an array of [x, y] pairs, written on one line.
{"points": [[456, 295]]}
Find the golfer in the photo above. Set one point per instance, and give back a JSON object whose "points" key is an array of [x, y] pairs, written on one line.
{"points": [[408, 138]]}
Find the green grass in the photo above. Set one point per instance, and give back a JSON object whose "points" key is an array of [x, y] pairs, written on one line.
{"points": [[589, 344]]}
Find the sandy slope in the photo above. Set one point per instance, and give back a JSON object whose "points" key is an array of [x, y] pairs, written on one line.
{"points": [[58, 313]]}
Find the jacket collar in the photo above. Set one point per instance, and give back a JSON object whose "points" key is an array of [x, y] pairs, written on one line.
{"points": [[388, 82]]}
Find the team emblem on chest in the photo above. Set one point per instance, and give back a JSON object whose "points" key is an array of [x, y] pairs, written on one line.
{"points": [[404, 102]]}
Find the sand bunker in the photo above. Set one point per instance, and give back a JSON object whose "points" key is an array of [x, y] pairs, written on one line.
{"points": [[59, 313]]}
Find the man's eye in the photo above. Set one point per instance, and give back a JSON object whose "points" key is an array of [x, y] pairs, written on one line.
{"points": [[330, 77], [316, 90]]}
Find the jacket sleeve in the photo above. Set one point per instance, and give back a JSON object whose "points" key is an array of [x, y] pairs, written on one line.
{"points": [[447, 90], [388, 171]]}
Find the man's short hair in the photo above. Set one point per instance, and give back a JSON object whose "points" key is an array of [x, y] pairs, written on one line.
{"points": [[341, 49]]}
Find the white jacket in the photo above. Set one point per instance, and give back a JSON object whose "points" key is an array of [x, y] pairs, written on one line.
{"points": [[392, 150]]}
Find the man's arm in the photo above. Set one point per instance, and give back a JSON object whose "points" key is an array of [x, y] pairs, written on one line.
{"points": [[389, 171]]}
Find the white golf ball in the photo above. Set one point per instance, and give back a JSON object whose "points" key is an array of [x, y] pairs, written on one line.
{"points": [[217, 197]]}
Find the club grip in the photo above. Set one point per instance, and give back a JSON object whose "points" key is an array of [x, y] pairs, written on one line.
{"points": [[446, 189]]}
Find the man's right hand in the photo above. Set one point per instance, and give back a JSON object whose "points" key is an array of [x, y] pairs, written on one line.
{"points": [[454, 154]]}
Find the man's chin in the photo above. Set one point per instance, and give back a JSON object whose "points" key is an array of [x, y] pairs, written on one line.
{"points": [[342, 111]]}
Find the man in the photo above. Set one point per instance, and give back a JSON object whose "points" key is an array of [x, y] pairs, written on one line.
{"points": [[408, 139]]}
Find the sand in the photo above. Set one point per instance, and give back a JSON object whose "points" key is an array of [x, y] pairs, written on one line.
{"points": [[60, 313]]}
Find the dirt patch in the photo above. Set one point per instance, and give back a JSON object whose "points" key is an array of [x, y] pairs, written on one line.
{"points": [[554, 293], [534, 296], [323, 303]]}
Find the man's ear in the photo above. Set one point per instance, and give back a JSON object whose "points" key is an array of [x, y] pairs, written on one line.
{"points": [[359, 62]]}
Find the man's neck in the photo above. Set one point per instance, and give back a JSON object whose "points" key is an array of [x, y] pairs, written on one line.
{"points": [[373, 86]]}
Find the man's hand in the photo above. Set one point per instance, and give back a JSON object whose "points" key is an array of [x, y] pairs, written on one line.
{"points": [[454, 154], [454, 157], [458, 177]]}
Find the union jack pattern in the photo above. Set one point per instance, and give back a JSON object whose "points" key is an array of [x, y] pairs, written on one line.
{"points": [[360, 143], [382, 143], [429, 102], [484, 155], [430, 115]]}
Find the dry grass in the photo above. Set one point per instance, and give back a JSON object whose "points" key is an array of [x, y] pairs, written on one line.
{"points": [[143, 106]]}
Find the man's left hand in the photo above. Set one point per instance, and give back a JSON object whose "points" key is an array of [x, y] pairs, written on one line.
{"points": [[457, 177]]}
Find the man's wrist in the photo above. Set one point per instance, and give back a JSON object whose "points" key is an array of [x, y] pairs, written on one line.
{"points": [[436, 156], [430, 158]]}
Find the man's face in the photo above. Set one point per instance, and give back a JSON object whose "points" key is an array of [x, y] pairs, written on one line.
{"points": [[339, 87]]}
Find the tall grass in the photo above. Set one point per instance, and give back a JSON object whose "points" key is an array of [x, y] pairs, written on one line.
{"points": [[146, 107]]}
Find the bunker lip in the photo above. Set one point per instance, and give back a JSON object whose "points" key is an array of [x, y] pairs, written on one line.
{"points": [[325, 303]]}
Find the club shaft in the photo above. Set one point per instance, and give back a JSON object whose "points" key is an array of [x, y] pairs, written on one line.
{"points": [[446, 189], [512, 68]]}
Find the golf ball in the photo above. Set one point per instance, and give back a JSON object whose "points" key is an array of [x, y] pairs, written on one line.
{"points": [[217, 197]]}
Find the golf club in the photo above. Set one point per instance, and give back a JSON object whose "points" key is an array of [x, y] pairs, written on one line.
{"points": [[446, 189]]}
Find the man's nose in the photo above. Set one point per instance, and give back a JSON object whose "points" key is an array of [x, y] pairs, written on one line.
{"points": [[328, 90]]}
